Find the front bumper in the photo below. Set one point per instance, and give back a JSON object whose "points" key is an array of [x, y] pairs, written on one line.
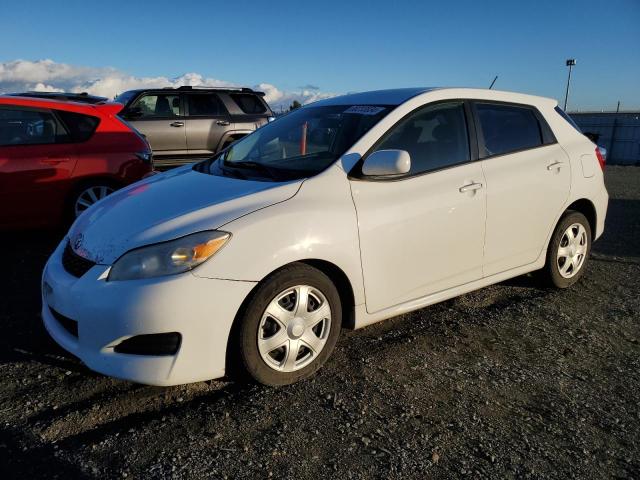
{"points": [[202, 310]]}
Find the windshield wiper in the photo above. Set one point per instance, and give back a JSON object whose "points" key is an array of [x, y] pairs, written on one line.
{"points": [[252, 166]]}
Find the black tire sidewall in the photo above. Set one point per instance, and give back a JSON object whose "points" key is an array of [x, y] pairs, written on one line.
{"points": [[553, 273], [295, 274]]}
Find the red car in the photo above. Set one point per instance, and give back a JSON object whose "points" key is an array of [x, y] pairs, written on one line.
{"points": [[57, 158]]}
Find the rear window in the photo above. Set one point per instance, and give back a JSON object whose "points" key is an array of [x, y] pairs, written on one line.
{"points": [[569, 120], [80, 127], [508, 128], [249, 103]]}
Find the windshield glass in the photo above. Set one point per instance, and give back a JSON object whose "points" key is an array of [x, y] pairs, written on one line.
{"points": [[124, 98], [301, 143]]}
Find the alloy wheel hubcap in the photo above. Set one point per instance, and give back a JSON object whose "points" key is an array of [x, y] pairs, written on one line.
{"points": [[572, 250], [90, 196], [294, 328]]}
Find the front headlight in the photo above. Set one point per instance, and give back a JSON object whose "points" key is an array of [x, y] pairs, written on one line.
{"points": [[168, 258]]}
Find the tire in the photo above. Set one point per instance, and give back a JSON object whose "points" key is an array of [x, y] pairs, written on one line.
{"points": [[83, 196], [560, 270], [267, 341]]}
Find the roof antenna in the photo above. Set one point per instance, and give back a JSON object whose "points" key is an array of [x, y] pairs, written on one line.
{"points": [[494, 81]]}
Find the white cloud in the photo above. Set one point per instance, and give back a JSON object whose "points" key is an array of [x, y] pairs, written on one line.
{"points": [[47, 75]]}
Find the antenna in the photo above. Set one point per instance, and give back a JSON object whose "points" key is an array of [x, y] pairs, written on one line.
{"points": [[494, 81]]}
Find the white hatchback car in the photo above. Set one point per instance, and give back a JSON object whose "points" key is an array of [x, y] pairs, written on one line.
{"points": [[340, 214]]}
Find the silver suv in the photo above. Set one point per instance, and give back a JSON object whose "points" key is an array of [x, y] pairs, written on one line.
{"points": [[187, 123]]}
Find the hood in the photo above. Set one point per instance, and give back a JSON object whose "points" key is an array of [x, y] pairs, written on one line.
{"points": [[168, 206]]}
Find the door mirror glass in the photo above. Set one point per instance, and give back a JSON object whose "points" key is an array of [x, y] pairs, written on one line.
{"points": [[387, 162]]}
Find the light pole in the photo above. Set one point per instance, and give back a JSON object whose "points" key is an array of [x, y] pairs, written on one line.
{"points": [[570, 63]]}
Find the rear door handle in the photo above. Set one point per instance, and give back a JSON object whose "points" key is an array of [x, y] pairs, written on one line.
{"points": [[472, 187], [177, 124], [222, 123], [555, 166]]}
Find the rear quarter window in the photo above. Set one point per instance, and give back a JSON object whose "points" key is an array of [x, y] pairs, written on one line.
{"points": [[249, 103], [568, 119], [80, 127]]}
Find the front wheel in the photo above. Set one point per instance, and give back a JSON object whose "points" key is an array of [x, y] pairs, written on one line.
{"points": [[568, 250], [290, 326]]}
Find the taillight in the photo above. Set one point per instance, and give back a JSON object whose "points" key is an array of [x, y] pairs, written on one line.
{"points": [[601, 159]]}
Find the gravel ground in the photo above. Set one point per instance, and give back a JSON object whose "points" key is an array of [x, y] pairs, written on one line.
{"points": [[512, 381]]}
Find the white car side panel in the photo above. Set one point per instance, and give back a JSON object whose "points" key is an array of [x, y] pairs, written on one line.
{"points": [[420, 235], [319, 222], [526, 191]]}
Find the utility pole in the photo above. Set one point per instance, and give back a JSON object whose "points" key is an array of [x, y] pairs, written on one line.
{"points": [[570, 63]]}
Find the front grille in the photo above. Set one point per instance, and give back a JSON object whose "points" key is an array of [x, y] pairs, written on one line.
{"points": [[74, 263], [69, 325]]}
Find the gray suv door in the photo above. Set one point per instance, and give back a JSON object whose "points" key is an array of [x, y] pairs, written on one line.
{"points": [[160, 118], [207, 121]]}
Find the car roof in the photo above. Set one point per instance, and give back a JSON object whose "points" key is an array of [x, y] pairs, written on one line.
{"points": [[187, 88], [398, 96], [394, 96], [81, 107], [82, 97]]}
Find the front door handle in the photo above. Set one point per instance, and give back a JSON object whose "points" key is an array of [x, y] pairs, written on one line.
{"points": [[555, 166], [472, 187], [222, 123], [177, 124]]}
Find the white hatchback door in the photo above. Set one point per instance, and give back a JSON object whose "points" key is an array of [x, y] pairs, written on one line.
{"points": [[528, 180], [422, 232]]}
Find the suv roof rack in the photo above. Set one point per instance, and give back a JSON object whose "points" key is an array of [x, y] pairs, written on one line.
{"points": [[227, 89]]}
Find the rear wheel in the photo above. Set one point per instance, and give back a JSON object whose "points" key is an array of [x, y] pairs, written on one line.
{"points": [[290, 326], [568, 250]]}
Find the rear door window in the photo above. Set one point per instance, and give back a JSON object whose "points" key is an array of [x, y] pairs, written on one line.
{"points": [[205, 105], [249, 103], [508, 128], [30, 127]]}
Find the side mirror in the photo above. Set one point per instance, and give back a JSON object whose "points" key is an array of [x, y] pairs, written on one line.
{"points": [[132, 113], [387, 162]]}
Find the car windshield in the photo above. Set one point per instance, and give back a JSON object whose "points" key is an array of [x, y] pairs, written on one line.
{"points": [[299, 144], [124, 97]]}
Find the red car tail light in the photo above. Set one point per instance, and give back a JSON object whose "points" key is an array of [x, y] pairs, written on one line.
{"points": [[601, 159]]}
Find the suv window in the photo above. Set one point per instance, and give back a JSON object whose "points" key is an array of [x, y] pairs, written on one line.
{"points": [[205, 105], [158, 105], [30, 127], [249, 103], [435, 137], [80, 127], [508, 128]]}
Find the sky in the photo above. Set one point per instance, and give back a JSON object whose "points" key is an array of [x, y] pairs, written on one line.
{"points": [[310, 50]]}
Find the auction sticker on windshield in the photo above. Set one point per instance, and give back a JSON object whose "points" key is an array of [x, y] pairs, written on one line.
{"points": [[364, 109]]}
